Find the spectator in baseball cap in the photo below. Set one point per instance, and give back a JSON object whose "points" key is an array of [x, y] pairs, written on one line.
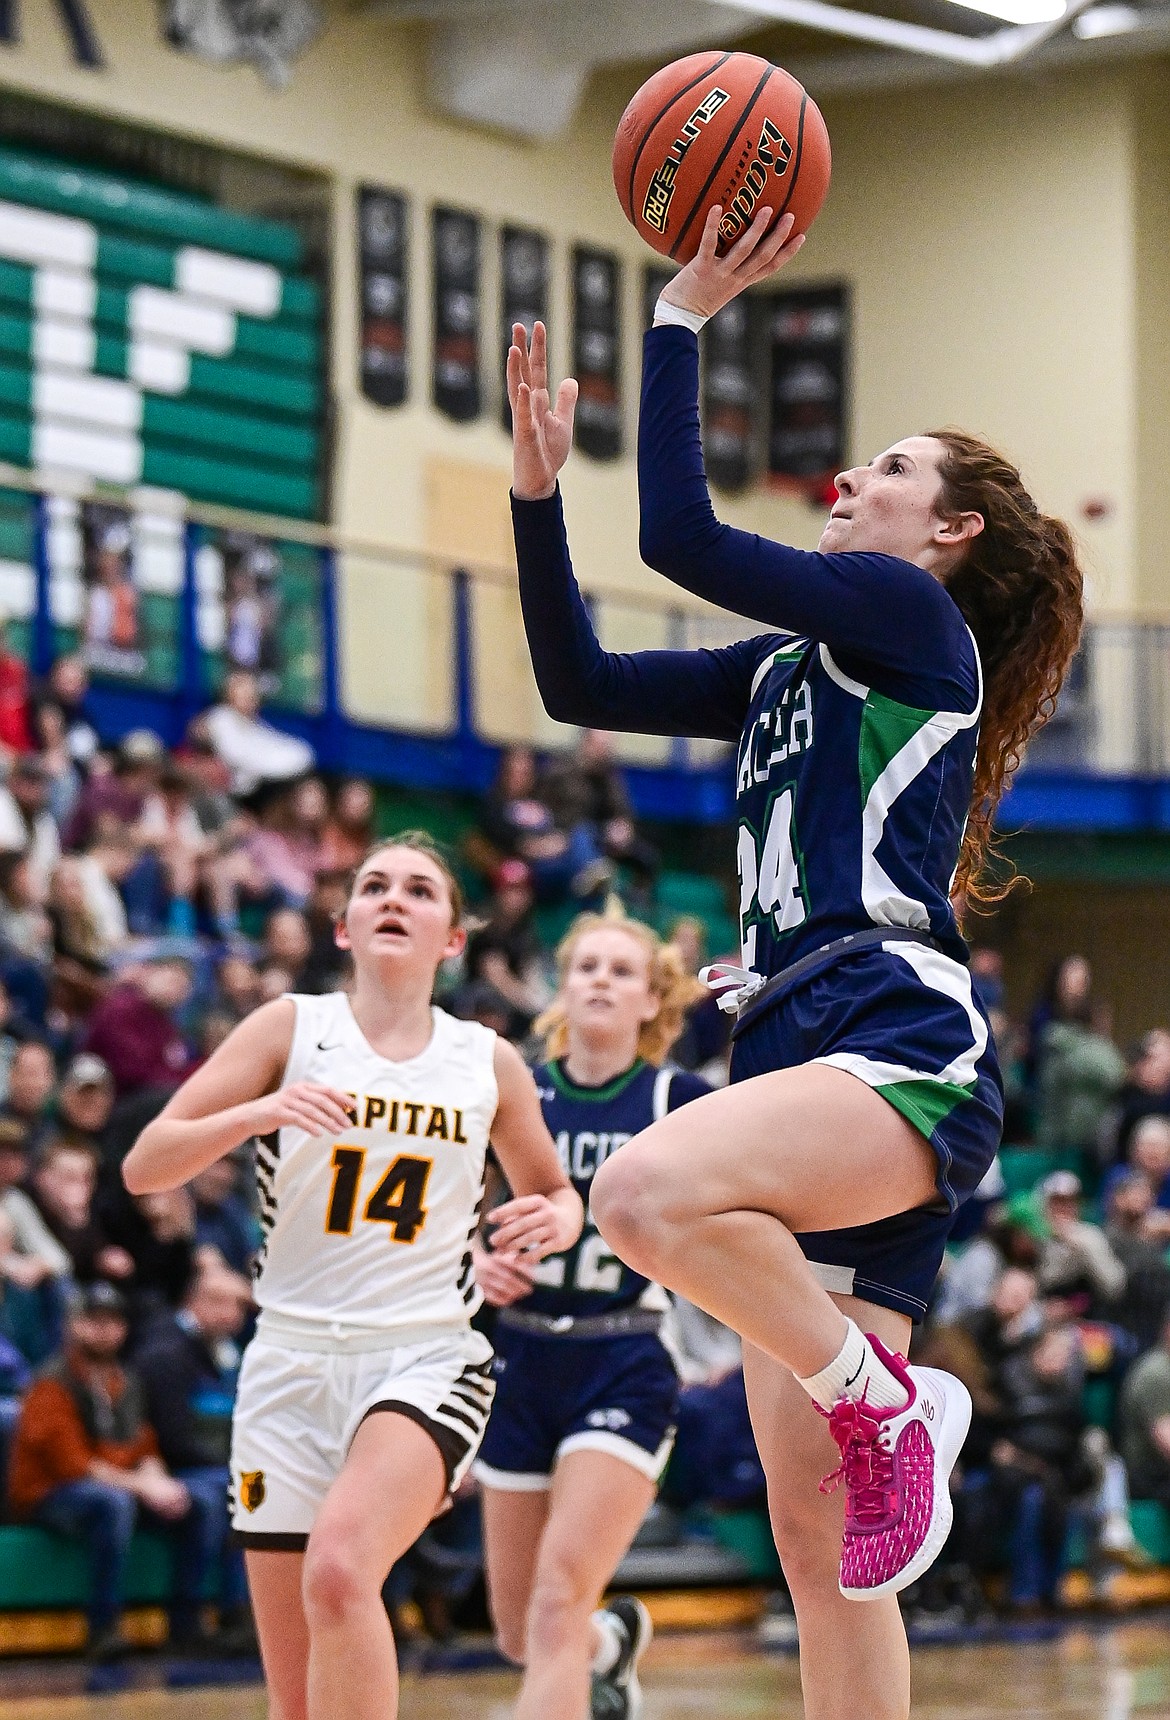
{"points": [[1077, 1268], [505, 951], [85, 1099], [86, 1463]]}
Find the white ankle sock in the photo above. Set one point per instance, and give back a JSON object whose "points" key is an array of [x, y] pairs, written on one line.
{"points": [[855, 1370], [611, 1639]]}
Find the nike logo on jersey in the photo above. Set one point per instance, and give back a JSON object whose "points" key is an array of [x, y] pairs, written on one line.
{"points": [[321, 1046]]}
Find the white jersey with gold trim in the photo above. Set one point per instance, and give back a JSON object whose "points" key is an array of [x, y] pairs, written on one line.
{"points": [[368, 1233]]}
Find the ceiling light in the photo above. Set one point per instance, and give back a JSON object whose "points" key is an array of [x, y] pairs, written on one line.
{"points": [[1017, 11], [1106, 21]]}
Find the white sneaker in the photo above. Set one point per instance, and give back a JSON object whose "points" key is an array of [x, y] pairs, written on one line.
{"points": [[616, 1694]]}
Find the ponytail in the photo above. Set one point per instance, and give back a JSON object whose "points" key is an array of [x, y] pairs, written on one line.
{"points": [[1020, 590]]}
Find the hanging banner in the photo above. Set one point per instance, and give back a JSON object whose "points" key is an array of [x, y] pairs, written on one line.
{"points": [[523, 291], [258, 606], [654, 278], [597, 351], [382, 238], [455, 385], [808, 332], [728, 398]]}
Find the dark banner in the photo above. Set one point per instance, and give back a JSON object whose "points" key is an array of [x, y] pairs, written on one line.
{"points": [[809, 333], [597, 278], [259, 607], [523, 291], [382, 235], [730, 395], [456, 272], [654, 278]]}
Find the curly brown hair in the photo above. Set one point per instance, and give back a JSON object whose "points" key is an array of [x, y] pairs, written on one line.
{"points": [[1020, 589]]}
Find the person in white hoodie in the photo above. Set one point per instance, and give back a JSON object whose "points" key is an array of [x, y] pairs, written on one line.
{"points": [[254, 751]]}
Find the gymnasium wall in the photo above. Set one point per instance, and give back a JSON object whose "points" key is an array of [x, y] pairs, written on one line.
{"points": [[989, 243], [1152, 230]]}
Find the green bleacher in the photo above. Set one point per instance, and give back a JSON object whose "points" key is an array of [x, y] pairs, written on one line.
{"points": [[43, 1571]]}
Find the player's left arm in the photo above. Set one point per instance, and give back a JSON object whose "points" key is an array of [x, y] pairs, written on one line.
{"points": [[545, 1213], [502, 1281], [877, 609]]}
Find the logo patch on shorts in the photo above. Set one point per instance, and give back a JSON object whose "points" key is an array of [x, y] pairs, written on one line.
{"points": [[612, 1419], [252, 1489]]}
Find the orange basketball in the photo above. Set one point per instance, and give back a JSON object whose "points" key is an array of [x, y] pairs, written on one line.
{"points": [[718, 128]]}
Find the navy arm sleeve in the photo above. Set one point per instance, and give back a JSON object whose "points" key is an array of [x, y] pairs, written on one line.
{"points": [[697, 693], [871, 610]]}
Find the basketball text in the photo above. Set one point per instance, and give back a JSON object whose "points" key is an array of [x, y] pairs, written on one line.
{"points": [[773, 151], [661, 188]]}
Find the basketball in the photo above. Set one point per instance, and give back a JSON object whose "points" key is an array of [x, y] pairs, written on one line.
{"points": [[718, 128]]}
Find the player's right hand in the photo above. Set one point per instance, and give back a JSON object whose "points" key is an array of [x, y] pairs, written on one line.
{"points": [[542, 434], [710, 281], [502, 1281], [305, 1105]]}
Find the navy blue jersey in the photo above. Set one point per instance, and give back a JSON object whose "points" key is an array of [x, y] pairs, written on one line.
{"points": [[850, 806], [856, 718], [588, 1124]]}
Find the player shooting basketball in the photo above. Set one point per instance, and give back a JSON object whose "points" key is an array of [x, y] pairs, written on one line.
{"points": [[878, 720]]}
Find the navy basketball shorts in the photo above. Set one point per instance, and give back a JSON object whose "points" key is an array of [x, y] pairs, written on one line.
{"points": [[555, 1395], [901, 1017]]}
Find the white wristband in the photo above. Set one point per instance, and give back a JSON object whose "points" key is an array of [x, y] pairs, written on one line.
{"points": [[665, 312]]}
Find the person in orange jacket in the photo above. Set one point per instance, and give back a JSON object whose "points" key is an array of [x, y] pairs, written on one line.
{"points": [[85, 1462]]}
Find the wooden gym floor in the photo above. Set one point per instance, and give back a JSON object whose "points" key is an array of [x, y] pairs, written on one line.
{"points": [[1119, 1672]]}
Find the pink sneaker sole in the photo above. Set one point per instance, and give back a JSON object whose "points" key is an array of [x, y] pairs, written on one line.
{"points": [[955, 1422]]}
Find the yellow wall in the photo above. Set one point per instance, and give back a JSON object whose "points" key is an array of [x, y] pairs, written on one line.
{"points": [[987, 230], [1152, 229]]}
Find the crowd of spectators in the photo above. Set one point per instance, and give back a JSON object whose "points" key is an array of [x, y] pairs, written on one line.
{"points": [[1054, 1307], [150, 898]]}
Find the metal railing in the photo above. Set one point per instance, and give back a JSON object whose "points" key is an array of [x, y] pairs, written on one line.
{"points": [[392, 640]]}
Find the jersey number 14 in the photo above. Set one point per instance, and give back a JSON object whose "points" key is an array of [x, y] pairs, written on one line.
{"points": [[769, 877], [397, 1200]]}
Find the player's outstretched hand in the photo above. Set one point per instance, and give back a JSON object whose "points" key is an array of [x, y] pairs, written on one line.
{"points": [[305, 1105], [709, 281], [529, 1227], [502, 1281], [542, 433]]}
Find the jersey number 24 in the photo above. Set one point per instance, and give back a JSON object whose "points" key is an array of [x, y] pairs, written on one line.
{"points": [[769, 876]]}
